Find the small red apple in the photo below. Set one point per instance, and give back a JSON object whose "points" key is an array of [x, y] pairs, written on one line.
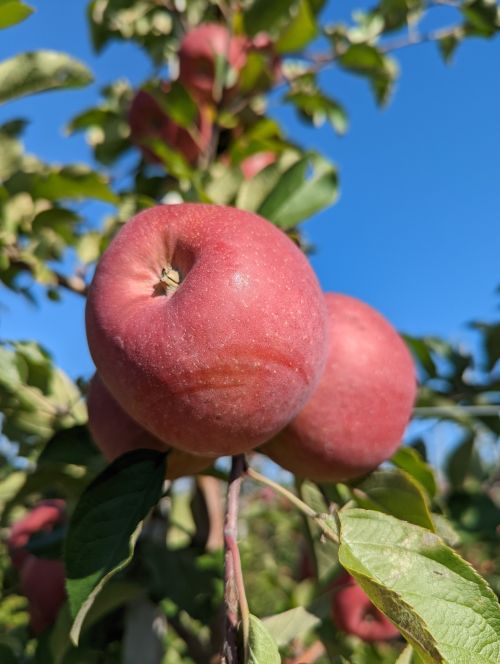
{"points": [[43, 584], [148, 120], [207, 325], [354, 613], [45, 517], [42, 580], [357, 416], [115, 432], [198, 53], [255, 163]]}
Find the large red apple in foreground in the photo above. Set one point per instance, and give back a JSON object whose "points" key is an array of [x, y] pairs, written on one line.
{"points": [[354, 613], [149, 121], [207, 325], [42, 580], [358, 413], [115, 432], [198, 52]]}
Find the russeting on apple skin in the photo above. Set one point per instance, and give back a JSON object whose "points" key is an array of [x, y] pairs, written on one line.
{"points": [[207, 325], [115, 433], [357, 415]]}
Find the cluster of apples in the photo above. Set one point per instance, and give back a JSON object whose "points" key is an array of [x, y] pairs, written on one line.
{"points": [[211, 337], [41, 579], [200, 50]]}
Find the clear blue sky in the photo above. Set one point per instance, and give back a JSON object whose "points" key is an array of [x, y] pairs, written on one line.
{"points": [[416, 231]]}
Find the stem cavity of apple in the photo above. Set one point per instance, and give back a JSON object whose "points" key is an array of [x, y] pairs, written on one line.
{"points": [[170, 280]]}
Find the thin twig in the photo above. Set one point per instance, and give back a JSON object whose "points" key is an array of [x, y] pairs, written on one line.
{"points": [[234, 590], [457, 408], [295, 500]]}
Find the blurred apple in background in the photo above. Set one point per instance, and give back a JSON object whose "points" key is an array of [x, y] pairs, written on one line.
{"points": [[148, 121]]}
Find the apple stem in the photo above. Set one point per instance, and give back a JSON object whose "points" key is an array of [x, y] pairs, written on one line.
{"points": [[234, 587], [170, 279], [295, 500]]}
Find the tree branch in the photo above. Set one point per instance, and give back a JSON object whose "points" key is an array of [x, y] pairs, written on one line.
{"points": [[234, 590]]}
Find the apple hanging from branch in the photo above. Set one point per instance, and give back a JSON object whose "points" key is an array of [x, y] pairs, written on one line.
{"points": [[207, 325], [115, 433], [358, 413]]}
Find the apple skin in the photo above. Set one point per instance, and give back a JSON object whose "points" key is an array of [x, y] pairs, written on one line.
{"points": [[42, 580], [115, 432], [226, 361], [45, 516], [353, 612], [357, 415], [255, 163], [43, 584], [148, 121], [198, 51]]}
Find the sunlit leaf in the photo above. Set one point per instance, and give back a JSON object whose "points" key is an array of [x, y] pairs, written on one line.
{"points": [[437, 600], [38, 71], [12, 12], [262, 647]]}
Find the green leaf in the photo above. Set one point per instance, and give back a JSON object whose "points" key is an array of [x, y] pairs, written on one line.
{"points": [[397, 493], [12, 12], [319, 107], [482, 16], [70, 446], [11, 153], [262, 647], [36, 397], [68, 182], [447, 47], [105, 525], [178, 104], [295, 197], [409, 460], [300, 31], [291, 624], [362, 58], [266, 16], [38, 71], [368, 61], [441, 605], [460, 462]]}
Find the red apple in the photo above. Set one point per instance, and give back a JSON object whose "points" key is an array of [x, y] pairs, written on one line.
{"points": [[45, 517], [255, 163], [221, 362], [149, 121], [43, 584], [115, 433], [42, 580], [198, 53], [357, 416], [354, 613]]}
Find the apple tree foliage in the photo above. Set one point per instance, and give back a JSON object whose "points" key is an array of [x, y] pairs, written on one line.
{"points": [[143, 583]]}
